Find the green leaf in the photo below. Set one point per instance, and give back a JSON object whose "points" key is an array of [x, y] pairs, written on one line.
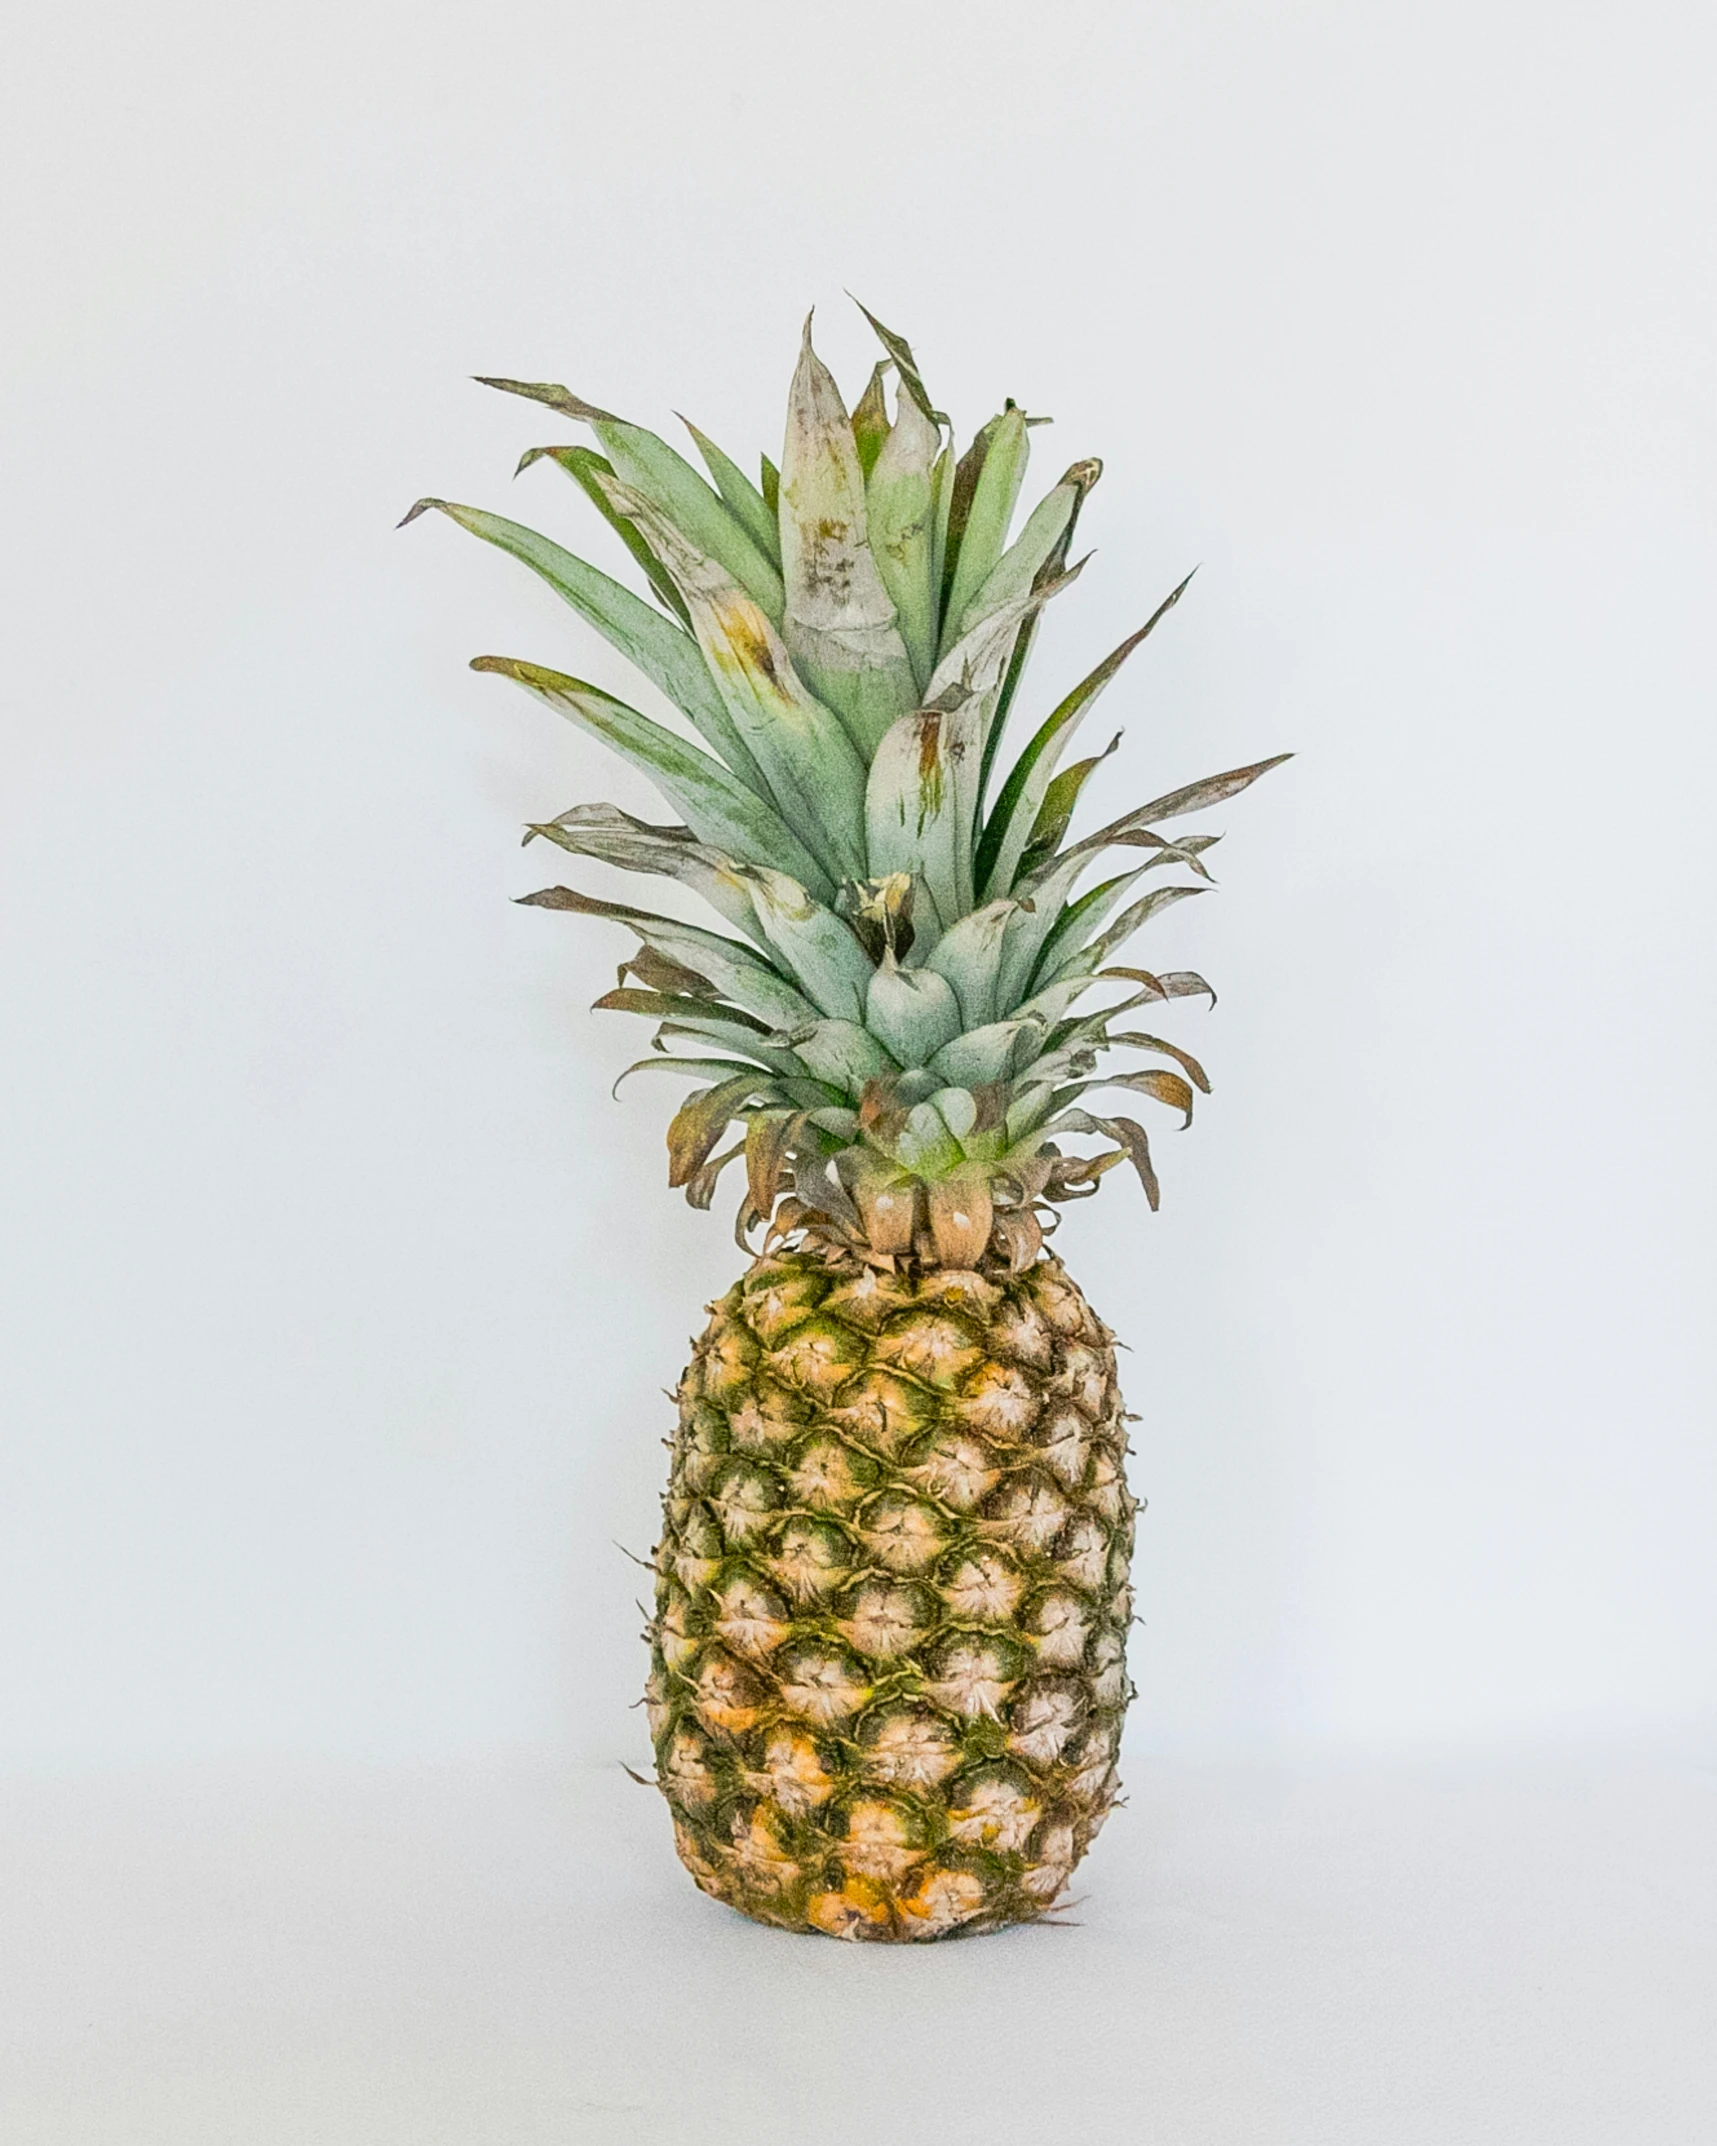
{"points": [[870, 420], [770, 481], [1049, 1003], [901, 503], [811, 764], [728, 1034], [730, 968], [743, 500], [689, 1068], [669, 1005], [978, 537], [1213, 790], [1082, 476], [667, 655], [918, 803], [585, 466], [843, 1053], [1055, 814], [1009, 828], [650, 466], [1015, 572], [1130, 921], [969, 956], [987, 1054], [717, 806], [978, 664], [1081, 920], [1037, 911], [840, 621], [818, 948], [925, 1145], [615, 837], [912, 1011], [905, 364]]}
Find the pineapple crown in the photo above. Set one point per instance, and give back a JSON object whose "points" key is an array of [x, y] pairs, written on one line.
{"points": [[889, 1019]]}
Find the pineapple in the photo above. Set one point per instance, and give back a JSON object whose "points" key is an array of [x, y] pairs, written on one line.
{"points": [[888, 1648]]}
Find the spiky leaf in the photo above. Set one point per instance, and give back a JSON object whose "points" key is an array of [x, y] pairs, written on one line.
{"points": [[840, 621], [1010, 825], [649, 465], [717, 806], [812, 766]]}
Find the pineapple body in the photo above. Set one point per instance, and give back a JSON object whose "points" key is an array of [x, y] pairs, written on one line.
{"points": [[889, 1648]]}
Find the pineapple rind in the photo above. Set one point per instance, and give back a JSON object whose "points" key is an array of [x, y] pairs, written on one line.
{"points": [[888, 1652]]}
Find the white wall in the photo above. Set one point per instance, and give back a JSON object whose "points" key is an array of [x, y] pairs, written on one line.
{"points": [[338, 1297]]}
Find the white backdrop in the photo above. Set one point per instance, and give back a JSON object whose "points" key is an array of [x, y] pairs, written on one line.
{"points": [[339, 1298]]}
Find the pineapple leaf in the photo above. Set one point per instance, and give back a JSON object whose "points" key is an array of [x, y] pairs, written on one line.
{"points": [[692, 1068], [870, 419], [901, 504], [744, 501], [1056, 812], [977, 538], [718, 807], [905, 364], [840, 622], [1083, 475], [812, 766], [918, 802], [658, 973], [1130, 921], [1037, 911], [664, 652], [960, 1217], [1172, 983], [984, 1055], [813, 943], [1134, 1146], [584, 465], [969, 956], [723, 1029], [1167, 1088], [1213, 790], [733, 970], [1080, 920], [977, 664], [701, 1120], [615, 837], [1015, 572], [668, 1006], [912, 1012], [769, 1139], [701, 1185], [1132, 1041], [650, 466], [844, 1053], [1010, 825]]}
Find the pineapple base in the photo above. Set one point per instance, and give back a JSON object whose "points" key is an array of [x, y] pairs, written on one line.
{"points": [[889, 1647]]}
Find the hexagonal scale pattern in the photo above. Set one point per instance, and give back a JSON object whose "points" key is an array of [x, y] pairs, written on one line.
{"points": [[888, 1652]]}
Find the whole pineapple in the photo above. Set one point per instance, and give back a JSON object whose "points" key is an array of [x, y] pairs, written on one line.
{"points": [[889, 1641]]}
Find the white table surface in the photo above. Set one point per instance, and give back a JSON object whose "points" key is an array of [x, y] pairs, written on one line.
{"points": [[1265, 1956]]}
